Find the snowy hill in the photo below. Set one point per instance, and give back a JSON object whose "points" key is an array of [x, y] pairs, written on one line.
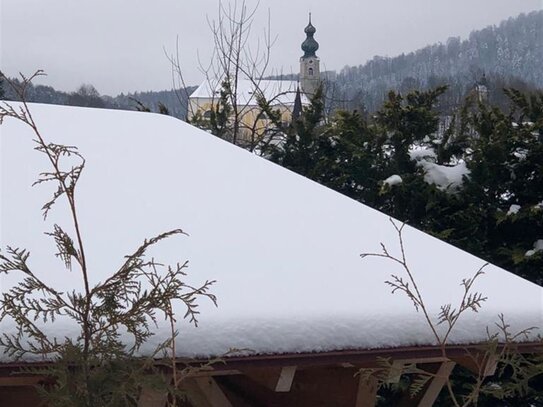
{"points": [[284, 250], [510, 53]]}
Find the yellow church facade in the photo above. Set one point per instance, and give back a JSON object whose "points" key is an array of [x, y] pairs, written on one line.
{"points": [[285, 97]]}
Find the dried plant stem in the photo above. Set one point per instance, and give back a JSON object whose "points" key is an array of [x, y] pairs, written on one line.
{"points": [[126, 301], [449, 315]]}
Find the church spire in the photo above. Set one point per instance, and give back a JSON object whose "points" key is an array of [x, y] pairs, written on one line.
{"points": [[309, 63], [310, 46]]}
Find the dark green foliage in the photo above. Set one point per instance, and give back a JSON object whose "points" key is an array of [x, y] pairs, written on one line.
{"points": [[163, 109], [503, 151], [140, 107], [217, 119], [406, 121], [86, 96], [301, 150]]}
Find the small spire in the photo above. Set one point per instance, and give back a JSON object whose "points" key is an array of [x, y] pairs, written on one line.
{"points": [[297, 109], [310, 17]]}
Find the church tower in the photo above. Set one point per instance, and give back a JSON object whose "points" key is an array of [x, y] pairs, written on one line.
{"points": [[310, 78]]}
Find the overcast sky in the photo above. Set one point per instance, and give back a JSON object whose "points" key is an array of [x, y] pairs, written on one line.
{"points": [[117, 45]]}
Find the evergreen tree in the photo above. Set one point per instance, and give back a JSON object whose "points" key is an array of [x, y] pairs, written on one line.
{"points": [[497, 214], [302, 143]]}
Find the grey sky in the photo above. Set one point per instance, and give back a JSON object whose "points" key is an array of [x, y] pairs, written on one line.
{"points": [[117, 45]]}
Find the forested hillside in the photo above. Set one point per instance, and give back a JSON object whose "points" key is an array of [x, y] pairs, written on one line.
{"points": [[511, 54], [175, 102]]}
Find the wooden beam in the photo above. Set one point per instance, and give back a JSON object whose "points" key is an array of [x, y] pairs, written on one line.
{"points": [[21, 380], [212, 392], [398, 366], [152, 398], [286, 377], [366, 395], [193, 393], [213, 372], [278, 379], [491, 366], [436, 384]]}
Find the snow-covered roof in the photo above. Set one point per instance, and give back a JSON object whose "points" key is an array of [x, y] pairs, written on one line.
{"points": [[285, 251], [276, 92]]}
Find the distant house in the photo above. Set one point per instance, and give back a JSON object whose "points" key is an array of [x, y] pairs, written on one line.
{"points": [[286, 96]]}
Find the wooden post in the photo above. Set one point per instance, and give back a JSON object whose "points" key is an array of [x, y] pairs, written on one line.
{"points": [[366, 395], [436, 384], [212, 392]]}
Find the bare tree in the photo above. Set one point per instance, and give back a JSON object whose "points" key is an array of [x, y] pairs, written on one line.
{"points": [[235, 77]]}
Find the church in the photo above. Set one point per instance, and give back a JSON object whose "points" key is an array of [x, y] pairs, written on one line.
{"points": [[286, 96]]}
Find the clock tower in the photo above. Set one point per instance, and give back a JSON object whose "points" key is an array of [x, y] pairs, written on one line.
{"points": [[310, 79]]}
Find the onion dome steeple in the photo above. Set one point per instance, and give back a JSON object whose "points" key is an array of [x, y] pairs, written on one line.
{"points": [[310, 46], [310, 77]]}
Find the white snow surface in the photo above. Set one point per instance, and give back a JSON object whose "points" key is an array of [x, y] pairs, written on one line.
{"points": [[443, 176], [393, 180], [284, 250], [513, 209], [538, 246], [419, 153]]}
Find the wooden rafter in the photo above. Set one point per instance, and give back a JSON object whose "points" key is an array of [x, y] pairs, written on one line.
{"points": [[436, 384], [210, 391], [278, 379], [398, 366], [21, 380]]}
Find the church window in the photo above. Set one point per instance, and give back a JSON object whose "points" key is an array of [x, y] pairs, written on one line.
{"points": [[310, 71], [207, 114]]}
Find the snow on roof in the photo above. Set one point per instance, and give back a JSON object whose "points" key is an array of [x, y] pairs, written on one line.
{"points": [[284, 250], [276, 92]]}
